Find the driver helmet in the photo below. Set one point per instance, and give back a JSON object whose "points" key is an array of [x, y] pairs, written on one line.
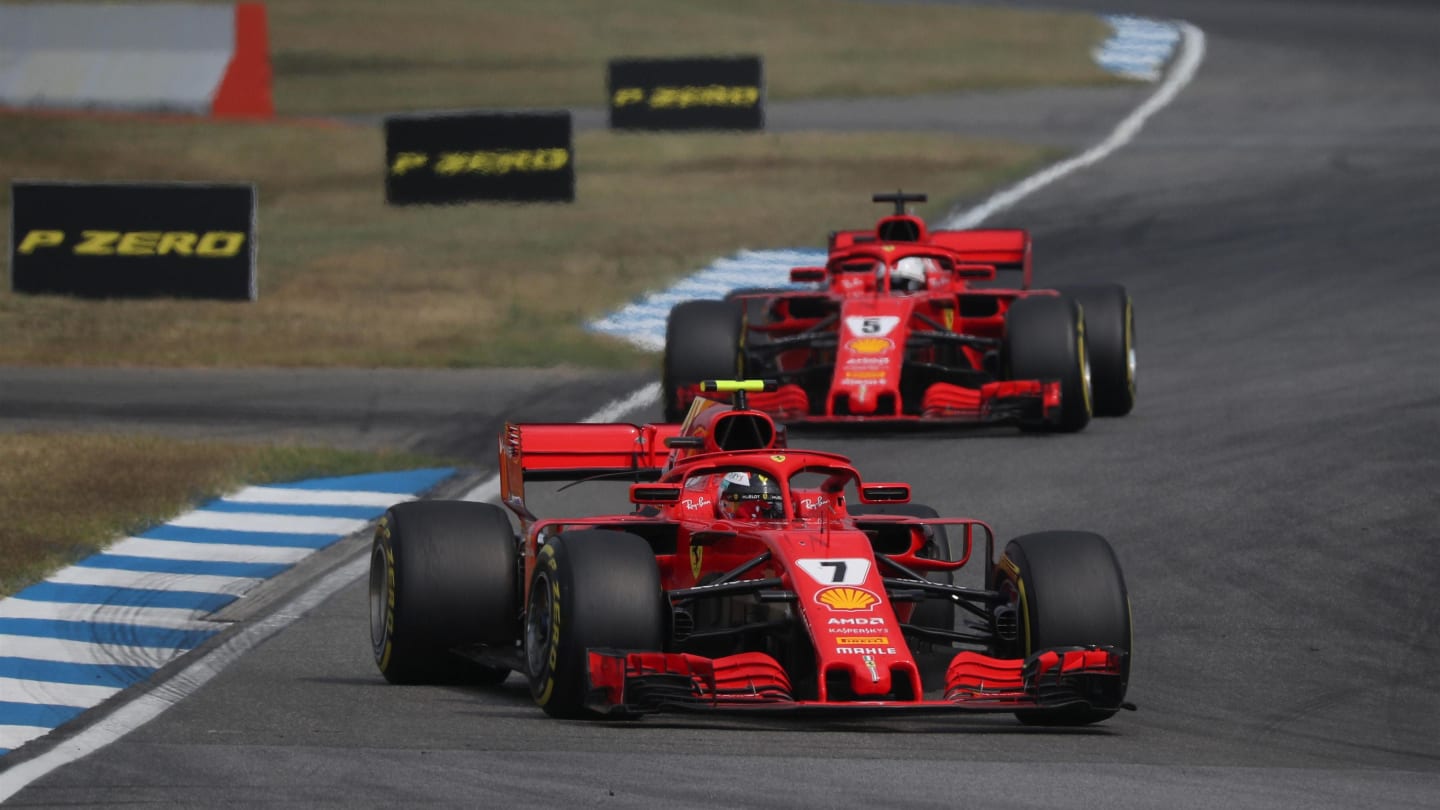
{"points": [[909, 274], [750, 496]]}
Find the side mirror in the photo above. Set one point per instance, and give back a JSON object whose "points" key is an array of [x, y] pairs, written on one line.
{"points": [[975, 272], [655, 493], [884, 493], [807, 274]]}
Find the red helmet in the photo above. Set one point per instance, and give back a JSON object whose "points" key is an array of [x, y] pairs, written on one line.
{"points": [[750, 496]]}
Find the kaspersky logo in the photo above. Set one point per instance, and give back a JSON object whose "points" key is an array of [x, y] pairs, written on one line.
{"points": [[847, 598]]}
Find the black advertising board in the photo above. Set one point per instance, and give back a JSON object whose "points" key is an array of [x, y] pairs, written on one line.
{"points": [[698, 93], [465, 157], [133, 240]]}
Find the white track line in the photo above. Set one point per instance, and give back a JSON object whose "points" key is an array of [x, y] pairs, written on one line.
{"points": [[1192, 51], [180, 685], [624, 405]]}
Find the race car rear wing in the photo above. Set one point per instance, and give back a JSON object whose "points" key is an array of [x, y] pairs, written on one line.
{"points": [[1006, 249], [571, 451]]}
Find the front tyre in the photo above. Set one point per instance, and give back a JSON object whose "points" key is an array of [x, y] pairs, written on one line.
{"points": [[1067, 590], [1045, 340], [703, 341], [442, 574], [591, 589], [1110, 344]]}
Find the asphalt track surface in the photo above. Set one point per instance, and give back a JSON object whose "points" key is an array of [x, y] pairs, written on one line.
{"points": [[1273, 501]]}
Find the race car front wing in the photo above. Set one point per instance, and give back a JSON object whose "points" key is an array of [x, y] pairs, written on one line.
{"points": [[644, 682]]}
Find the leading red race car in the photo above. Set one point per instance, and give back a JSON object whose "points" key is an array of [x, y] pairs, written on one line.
{"points": [[910, 326], [746, 576]]}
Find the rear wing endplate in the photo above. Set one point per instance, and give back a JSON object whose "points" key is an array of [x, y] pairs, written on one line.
{"points": [[572, 451]]}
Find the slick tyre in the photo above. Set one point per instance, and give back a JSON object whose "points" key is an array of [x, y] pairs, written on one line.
{"points": [[1045, 340], [703, 341], [1067, 590], [937, 613], [1109, 343], [442, 574], [591, 589]]}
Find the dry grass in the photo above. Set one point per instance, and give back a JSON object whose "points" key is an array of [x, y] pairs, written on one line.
{"points": [[554, 52], [66, 496], [347, 281]]}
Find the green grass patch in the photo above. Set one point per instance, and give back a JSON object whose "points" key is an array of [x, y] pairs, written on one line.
{"points": [[66, 496]]}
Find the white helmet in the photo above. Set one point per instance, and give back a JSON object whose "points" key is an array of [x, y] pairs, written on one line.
{"points": [[909, 274]]}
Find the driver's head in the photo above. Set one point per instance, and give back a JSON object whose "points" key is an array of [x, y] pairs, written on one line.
{"points": [[908, 275], [750, 496]]}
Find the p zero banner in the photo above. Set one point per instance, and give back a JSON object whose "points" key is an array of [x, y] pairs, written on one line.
{"points": [[709, 93], [466, 157], [129, 240]]}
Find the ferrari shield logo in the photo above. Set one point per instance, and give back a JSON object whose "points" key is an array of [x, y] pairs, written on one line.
{"points": [[949, 320], [697, 556]]}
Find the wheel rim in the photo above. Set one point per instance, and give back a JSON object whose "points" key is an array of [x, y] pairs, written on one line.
{"points": [[538, 618], [1130, 349], [379, 594]]}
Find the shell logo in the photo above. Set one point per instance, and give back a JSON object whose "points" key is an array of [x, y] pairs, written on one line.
{"points": [[846, 598], [872, 345]]}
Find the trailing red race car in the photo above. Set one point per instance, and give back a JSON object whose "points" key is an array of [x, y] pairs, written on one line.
{"points": [[910, 326], [745, 576]]}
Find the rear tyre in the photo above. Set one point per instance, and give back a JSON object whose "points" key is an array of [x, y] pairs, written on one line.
{"points": [[703, 341], [1045, 340], [442, 574], [591, 589], [1109, 343], [1067, 590], [938, 613]]}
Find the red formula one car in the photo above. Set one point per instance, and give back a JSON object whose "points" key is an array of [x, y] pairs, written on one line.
{"points": [[911, 326], [744, 576]]}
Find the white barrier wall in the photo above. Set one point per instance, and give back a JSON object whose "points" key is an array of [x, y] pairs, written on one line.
{"points": [[161, 57]]}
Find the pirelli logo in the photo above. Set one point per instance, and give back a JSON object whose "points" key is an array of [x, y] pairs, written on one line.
{"points": [[485, 162], [207, 245], [111, 240], [725, 93], [474, 157], [683, 98]]}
